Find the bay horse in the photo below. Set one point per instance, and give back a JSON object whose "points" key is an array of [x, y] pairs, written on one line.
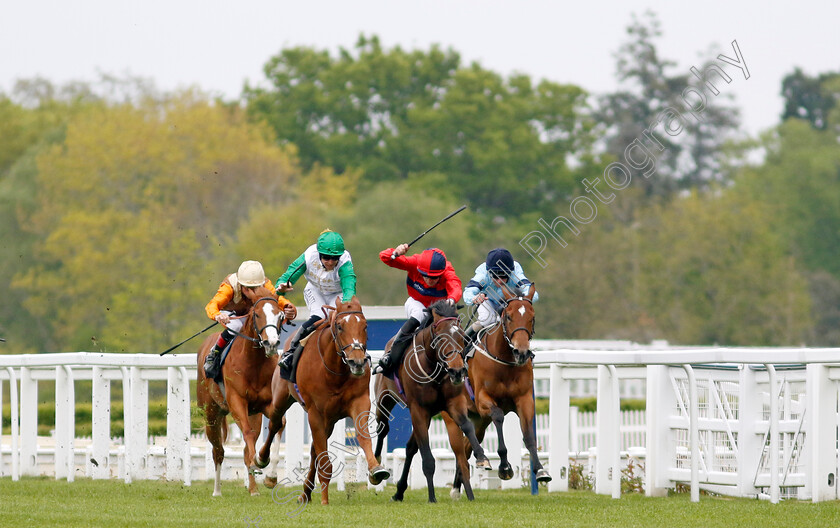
{"points": [[503, 380], [246, 375], [333, 383], [432, 379]]}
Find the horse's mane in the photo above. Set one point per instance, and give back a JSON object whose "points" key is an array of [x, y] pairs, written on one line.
{"points": [[443, 309]]}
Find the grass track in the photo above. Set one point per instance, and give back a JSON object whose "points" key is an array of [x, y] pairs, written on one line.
{"points": [[103, 503]]}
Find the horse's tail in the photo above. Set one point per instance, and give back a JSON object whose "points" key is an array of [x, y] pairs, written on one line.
{"points": [[224, 429]]}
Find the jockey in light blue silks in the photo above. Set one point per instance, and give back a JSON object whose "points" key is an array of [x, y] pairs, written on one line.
{"points": [[485, 290]]}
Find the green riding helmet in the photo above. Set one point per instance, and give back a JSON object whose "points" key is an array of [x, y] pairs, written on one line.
{"points": [[330, 243]]}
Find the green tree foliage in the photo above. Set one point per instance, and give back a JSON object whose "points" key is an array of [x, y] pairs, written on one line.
{"points": [[716, 272], [810, 98], [502, 143], [136, 213]]}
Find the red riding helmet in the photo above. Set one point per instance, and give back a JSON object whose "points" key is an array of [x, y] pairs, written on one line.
{"points": [[432, 262]]}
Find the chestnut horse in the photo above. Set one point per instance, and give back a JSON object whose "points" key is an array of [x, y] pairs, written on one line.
{"points": [[333, 382], [432, 376], [246, 373], [503, 380]]}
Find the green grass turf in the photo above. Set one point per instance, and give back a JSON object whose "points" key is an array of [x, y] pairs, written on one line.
{"points": [[111, 503]]}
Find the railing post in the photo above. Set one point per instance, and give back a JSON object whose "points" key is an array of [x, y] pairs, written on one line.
{"points": [[693, 432], [820, 436], [294, 444], [177, 425], [750, 443], [15, 416], [28, 423], [558, 439], [659, 452], [65, 412], [137, 432], [607, 469], [773, 425], [99, 463]]}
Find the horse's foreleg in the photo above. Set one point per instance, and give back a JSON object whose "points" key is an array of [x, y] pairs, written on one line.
{"points": [[360, 411], [318, 455], [239, 408], [498, 417], [213, 430], [276, 424], [420, 419], [458, 412], [525, 410], [402, 484]]}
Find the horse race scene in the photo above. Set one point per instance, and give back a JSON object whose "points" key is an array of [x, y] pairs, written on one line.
{"points": [[607, 293]]}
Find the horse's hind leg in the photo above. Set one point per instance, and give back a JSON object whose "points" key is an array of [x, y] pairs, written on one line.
{"points": [[402, 484], [480, 429]]}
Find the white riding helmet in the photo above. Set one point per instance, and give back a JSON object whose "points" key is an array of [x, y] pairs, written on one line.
{"points": [[251, 274]]}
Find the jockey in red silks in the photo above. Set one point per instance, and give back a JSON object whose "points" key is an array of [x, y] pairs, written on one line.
{"points": [[228, 303], [430, 278]]}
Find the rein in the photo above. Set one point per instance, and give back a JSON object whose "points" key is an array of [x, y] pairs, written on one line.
{"points": [[508, 335], [434, 339]]}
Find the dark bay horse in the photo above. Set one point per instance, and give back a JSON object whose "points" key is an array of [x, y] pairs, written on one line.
{"points": [[247, 374], [503, 377], [333, 379], [432, 376]]}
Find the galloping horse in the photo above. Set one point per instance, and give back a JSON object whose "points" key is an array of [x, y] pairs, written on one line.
{"points": [[503, 381], [247, 373], [432, 377], [333, 382]]}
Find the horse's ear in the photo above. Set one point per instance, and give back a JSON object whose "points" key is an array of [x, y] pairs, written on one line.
{"points": [[531, 291], [337, 301], [507, 292]]}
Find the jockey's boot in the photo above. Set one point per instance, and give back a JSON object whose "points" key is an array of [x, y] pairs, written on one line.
{"points": [[469, 339], [295, 348], [392, 358], [212, 361]]}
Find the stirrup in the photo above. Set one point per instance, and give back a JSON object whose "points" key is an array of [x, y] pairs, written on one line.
{"points": [[377, 369], [286, 361]]}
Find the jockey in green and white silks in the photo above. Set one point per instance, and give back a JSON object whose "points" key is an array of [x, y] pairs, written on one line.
{"points": [[328, 269], [485, 289]]}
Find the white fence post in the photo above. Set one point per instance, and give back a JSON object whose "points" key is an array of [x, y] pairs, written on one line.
{"points": [[820, 436], [513, 442], [294, 444], [137, 432], [607, 470], [177, 425], [15, 417], [65, 413], [99, 464], [750, 441], [558, 440], [28, 423], [658, 450]]}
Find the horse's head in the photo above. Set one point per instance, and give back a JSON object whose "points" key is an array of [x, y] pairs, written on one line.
{"points": [[448, 340], [518, 324], [266, 318], [349, 330]]}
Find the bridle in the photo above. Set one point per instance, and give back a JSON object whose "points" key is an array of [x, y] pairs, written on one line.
{"points": [[341, 350], [509, 334], [258, 331]]}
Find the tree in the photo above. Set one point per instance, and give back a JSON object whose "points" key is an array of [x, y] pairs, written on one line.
{"points": [[651, 99], [809, 98], [135, 215], [394, 115]]}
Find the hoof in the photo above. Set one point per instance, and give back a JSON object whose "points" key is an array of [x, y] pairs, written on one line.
{"points": [[543, 477], [260, 463], [505, 472], [255, 493], [254, 470], [302, 498], [483, 464], [270, 482], [217, 493], [396, 498], [378, 474], [455, 494]]}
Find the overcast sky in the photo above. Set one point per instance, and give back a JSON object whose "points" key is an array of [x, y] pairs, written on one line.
{"points": [[218, 45]]}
